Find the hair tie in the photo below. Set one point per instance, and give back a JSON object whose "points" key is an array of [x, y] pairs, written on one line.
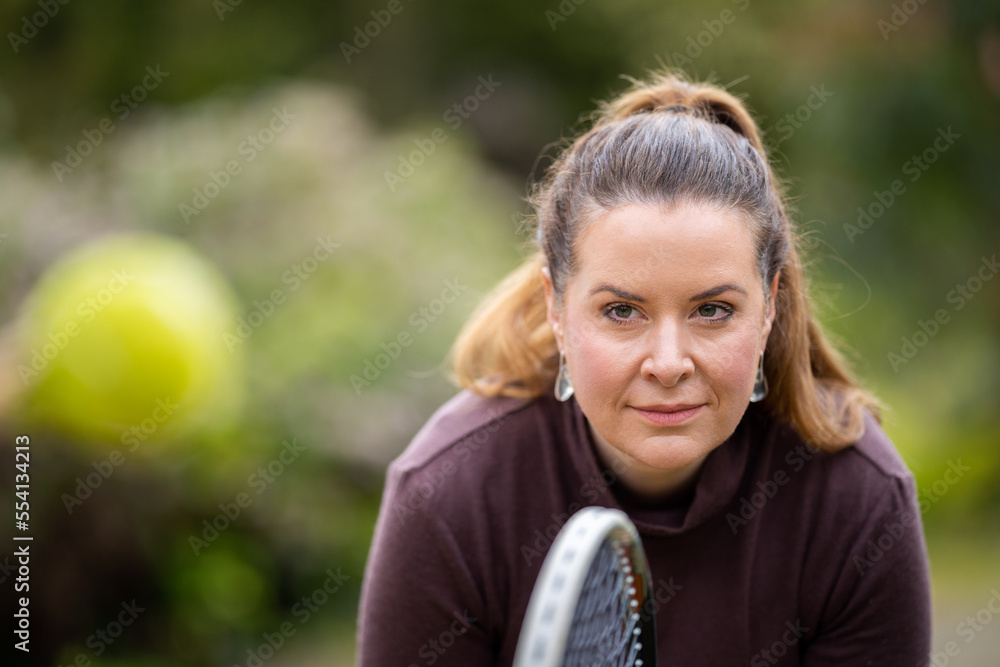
{"points": [[678, 107]]}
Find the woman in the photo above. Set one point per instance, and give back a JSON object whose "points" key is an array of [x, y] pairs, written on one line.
{"points": [[656, 354]]}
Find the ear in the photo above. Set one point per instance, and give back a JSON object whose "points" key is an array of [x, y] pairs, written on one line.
{"points": [[550, 304], [772, 309]]}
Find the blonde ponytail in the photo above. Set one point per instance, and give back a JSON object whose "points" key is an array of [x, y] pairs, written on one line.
{"points": [[507, 347]]}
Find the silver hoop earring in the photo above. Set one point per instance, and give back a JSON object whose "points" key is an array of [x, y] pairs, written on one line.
{"points": [[760, 384], [564, 386]]}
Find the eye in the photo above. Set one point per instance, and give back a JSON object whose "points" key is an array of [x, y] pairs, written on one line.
{"points": [[715, 312], [619, 313]]}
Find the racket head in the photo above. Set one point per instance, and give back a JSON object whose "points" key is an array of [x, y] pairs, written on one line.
{"points": [[589, 604]]}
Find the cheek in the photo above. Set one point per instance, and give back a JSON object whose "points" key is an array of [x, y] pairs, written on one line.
{"points": [[599, 367], [734, 372]]}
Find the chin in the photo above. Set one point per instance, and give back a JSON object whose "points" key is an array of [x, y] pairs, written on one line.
{"points": [[670, 452]]}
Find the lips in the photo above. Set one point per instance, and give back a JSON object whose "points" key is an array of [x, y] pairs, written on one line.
{"points": [[672, 407], [668, 414]]}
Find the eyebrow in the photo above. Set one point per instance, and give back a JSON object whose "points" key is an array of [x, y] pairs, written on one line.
{"points": [[716, 291], [707, 294], [621, 294]]}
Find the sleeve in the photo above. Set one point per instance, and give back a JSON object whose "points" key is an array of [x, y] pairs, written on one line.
{"points": [[420, 604], [879, 611]]}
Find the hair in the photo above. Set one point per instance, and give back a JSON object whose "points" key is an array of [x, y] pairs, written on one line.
{"points": [[665, 142]]}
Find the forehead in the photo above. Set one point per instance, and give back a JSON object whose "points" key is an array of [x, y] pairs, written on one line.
{"points": [[683, 244]]}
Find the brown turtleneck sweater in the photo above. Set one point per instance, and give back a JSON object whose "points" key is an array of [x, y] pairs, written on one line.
{"points": [[780, 555]]}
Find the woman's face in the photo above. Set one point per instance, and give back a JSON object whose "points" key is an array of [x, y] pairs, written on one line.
{"points": [[662, 326]]}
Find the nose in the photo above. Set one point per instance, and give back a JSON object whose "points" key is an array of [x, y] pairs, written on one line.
{"points": [[667, 357]]}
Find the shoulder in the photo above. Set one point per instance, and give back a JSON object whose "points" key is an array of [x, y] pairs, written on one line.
{"points": [[473, 454], [863, 552], [865, 469], [847, 500], [466, 415], [836, 497], [459, 494], [875, 452], [868, 488], [871, 471], [435, 541]]}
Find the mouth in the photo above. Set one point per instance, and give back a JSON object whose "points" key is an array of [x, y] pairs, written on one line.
{"points": [[668, 415]]}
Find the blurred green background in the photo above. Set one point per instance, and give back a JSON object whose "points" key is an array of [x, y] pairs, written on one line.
{"points": [[329, 187]]}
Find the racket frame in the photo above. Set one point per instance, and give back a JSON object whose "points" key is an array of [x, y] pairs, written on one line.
{"points": [[557, 590]]}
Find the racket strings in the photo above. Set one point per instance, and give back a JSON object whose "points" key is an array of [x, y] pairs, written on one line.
{"points": [[605, 630]]}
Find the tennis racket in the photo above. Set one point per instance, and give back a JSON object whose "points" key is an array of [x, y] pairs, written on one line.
{"points": [[588, 606]]}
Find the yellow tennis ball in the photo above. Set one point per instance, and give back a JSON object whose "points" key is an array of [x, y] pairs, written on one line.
{"points": [[123, 340]]}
